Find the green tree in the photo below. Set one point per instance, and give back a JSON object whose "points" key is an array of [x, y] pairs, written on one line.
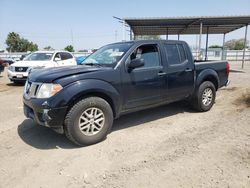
{"points": [[215, 46], [239, 45], [17, 44], [48, 48], [69, 48], [27, 46], [236, 44], [83, 50], [13, 42]]}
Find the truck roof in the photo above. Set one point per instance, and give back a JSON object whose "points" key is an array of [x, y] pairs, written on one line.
{"points": [[50, 51], [148, 41]]}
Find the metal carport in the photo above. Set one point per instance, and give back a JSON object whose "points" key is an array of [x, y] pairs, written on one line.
{"points": [[189, 25]]}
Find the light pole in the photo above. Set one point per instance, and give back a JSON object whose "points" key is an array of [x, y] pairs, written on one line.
{"points": [[122, 21]]}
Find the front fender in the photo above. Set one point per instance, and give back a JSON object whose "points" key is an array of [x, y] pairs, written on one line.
{"points": [[78, 89]]}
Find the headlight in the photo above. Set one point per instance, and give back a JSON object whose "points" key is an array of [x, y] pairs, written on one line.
{"points": [[48, 90], [12, 68]]}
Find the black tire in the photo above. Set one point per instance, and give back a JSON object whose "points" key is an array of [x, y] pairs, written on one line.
{"points": [[71, 123], [197, 101], [19, 82]]}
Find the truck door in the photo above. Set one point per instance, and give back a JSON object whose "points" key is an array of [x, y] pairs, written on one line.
{"points": [[142, 86], [180, 71]]}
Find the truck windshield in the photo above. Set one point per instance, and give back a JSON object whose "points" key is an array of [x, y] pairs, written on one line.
{"points": [[108, 55], [39, 57]]}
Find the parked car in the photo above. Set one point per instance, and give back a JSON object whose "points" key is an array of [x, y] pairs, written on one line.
{"points": [[80, 59], [23, 56], [18, 72], [7, 61], [120, 78], [2, 65]]}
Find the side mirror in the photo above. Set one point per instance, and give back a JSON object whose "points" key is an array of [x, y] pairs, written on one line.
{"points": [[135, 63], [57, 59]]}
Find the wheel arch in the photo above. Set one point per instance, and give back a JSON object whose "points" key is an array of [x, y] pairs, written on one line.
{"points": [[208, 75], [81, 89], [87, 94]]}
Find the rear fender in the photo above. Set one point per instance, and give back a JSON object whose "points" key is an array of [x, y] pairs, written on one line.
{"points": [[208, 75]]}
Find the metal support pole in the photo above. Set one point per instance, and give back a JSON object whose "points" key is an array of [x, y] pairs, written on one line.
{"points": [[236, 56], [199, 49], [244, 51], [196, 47], [206, 44], [167, 34], [131, 38], [123, 31], [178, 36], [223, 46]]}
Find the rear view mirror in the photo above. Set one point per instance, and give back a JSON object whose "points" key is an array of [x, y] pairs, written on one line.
{"points": [[136, 63], [57, 59]]}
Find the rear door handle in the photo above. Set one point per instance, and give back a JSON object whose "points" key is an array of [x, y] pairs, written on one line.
{"points": [[161, 73], [188, 70]]}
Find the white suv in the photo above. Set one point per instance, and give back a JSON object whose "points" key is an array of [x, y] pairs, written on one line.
{"points": [[18, 71]]}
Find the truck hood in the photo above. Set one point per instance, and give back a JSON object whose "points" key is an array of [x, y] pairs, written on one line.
{"points": [[31, 63], [48, 75]]}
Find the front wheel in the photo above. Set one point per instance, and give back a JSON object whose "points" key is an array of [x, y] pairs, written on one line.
{"points": [[88, 121], [205, 97], [17, 82]]}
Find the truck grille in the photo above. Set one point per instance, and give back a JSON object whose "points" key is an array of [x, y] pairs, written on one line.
{"points": [[31, 89], [21, 69]]}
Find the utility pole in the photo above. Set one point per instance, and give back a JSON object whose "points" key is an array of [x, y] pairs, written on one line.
{"points": [[72, 38], [123, 27], [124, 36], [115, 35]]}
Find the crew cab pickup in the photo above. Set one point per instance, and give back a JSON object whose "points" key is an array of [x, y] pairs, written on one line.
{"points": [[82, 101], [18, 71]]}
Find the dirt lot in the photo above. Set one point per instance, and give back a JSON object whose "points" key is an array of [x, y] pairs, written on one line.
{"points": [[169, 146]]}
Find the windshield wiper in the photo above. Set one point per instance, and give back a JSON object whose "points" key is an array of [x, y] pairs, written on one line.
{"points": [[92, 64]]}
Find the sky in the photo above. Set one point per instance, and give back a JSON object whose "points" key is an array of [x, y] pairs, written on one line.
{"points": [[90, 24]]}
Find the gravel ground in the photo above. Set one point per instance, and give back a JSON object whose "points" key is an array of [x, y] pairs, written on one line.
{"points": [[168, 146]]}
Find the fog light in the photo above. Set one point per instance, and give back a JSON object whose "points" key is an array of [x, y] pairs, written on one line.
{"points": [[46, 116]]}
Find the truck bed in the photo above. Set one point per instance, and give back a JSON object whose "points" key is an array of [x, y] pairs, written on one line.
{"points": [[218, 66]]}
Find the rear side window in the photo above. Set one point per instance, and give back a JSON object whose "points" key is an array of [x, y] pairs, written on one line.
{"points": [[182, 53], [175, 53], [65, 55]]}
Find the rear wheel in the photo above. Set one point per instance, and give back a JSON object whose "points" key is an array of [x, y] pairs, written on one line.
{"points": [[205, 97], [88, 121]]}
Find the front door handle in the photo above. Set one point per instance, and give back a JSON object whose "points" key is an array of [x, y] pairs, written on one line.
{"points": [[188, 70], [161, 73]]}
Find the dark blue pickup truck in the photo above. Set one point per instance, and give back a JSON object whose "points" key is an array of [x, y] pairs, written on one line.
{"points": [[82, 101]]}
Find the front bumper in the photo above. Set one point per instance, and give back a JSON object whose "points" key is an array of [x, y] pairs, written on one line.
{"points": [[17, 76], [41, 113]]}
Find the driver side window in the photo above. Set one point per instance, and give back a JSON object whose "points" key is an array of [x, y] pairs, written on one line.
{"points": [[149, 54]]}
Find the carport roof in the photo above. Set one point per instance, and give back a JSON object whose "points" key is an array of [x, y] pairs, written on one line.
{"points": [[186, 25]]}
